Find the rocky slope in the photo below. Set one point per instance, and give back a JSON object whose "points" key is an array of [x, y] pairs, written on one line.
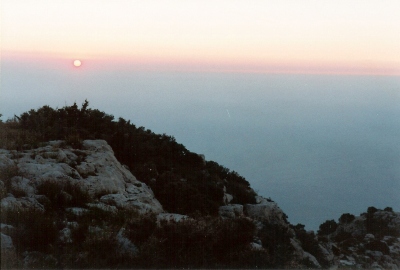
{"points": [[88, 186], [93, 168], [367, 241]]}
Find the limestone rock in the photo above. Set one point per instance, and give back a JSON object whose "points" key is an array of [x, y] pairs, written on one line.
{"points": [[256, 246], [23, 185], [303, 255], [5, 159], [6, 227], [6, 242], [78, 211], [65, 235], [94, 169], [125, 245], [24, 203], [104, 207], [227, 198], [369, 237], [231, 211], [265, 211], [170, 217]]}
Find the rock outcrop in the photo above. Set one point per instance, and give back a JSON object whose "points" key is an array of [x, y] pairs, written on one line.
{"points": [[93, 168], [368, 241]]}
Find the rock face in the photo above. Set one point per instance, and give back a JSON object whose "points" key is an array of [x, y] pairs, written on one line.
{"points": [[265, 211], [93, 168], [369, 241], [231, 211]]}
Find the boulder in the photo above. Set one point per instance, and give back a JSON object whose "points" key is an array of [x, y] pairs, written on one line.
{"points": [[256, 246], [77, 211], [266, 211], [347, 263], [231, 211], [6, 227], [304, 256], [369, 237], [6, 242], [227, 198], [376, 255], [65, 235], [125, 245], [18, 204], [327, 254], [23, 185]]}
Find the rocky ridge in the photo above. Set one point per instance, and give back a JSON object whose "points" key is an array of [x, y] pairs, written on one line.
{"points": [[112, 188]]}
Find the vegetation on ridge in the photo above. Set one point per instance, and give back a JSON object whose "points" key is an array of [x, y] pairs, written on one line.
{"points": [[182, 181]]}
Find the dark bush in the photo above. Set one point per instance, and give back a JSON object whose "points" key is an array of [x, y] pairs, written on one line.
{"points": [[34, 230], [98, 250], [327, 227], [347, 242], [346, 218], [378, 246], [371, 210], [342, 236], [276, 240], [63, 194], [139, 230], [7, 173], [203, 243]]}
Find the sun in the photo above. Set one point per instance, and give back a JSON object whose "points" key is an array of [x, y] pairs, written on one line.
{"points": [[77, 63]]}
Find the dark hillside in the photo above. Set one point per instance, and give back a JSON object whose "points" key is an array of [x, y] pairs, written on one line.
{"points": [[181, 180]]}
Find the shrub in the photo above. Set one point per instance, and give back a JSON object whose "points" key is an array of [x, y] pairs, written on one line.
{"points": [[12, 137], [276, 239], [7, 173], [378, 225], [346, 218], [327, 227], [98, 250], [379, 246], [203, 243], [371, 210], [34, 230], [63, 194], [74, 140], [185, 198], [3, 190], [342, 236], [138, 230], [9, 259]]}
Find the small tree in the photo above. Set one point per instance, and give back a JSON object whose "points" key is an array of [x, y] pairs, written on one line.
{"points": [[327, 227], [346, 218]]}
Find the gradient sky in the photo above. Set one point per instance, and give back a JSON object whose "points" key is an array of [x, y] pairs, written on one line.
{"points": [[286, 36]]}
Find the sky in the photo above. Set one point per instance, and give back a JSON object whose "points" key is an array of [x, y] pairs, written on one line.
{"points": [[286, 36]]}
